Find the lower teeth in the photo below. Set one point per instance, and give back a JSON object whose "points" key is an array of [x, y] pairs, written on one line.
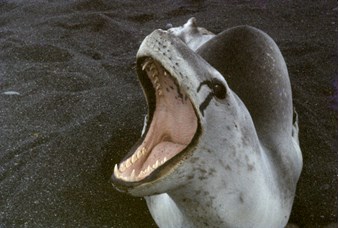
{"points": [[142, 174]]}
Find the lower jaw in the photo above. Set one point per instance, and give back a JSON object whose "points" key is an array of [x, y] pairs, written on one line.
{"points": [[144, 161], [163, 178]]}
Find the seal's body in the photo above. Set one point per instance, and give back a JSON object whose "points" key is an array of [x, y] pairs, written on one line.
{"points": [[220, 147]]}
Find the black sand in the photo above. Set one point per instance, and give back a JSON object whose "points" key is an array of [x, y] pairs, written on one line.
{"points": [[71, 106]]}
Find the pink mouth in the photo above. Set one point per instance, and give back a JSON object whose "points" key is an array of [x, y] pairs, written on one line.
{"points": [[172, 129]]}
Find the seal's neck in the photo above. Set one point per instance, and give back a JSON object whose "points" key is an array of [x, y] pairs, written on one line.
{"points": [[225, 183], [217, 199]]}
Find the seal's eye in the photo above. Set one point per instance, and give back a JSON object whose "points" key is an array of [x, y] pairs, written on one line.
{"points": [[219, 89]]}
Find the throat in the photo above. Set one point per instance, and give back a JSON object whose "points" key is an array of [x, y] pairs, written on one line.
{"points": [[198, 210]]}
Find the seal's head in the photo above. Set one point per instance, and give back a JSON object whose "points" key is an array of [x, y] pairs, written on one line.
{"points": [[179, 86]]}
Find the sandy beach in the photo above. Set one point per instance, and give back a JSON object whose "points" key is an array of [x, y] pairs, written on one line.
{"points": [[71, 106]]}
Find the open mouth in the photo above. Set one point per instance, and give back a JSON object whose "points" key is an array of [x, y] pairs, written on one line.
{"points": [[171, 128]]}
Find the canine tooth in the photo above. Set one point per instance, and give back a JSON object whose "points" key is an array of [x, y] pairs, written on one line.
{"points": [[143, 150], [155, 165], [124, 178], [165, 73], [128, 163], [145, 65], [132, 174], [122, 167], [153, 66], [116, 171], [139, 154], [163, 161], [141, 173], [134, 158]]}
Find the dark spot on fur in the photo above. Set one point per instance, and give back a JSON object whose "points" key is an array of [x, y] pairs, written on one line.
{"points": [[193, 160], [203, 173], [227, 167], [190, 177], [241, 198], [250, 167], [202, 170], [208, 204], [202, 178], [212, 171]]}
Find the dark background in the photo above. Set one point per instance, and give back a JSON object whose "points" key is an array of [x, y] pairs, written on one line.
{"points": [[78, 106]]}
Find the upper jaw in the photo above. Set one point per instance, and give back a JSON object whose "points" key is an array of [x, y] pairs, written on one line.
{"points": [[187, 67]]}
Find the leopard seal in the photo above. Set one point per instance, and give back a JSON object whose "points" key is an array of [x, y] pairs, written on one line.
{"points": [[208, 155]]}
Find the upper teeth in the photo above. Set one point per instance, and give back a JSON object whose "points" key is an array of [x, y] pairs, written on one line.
{"points": [[151, 68], [119, 172]]}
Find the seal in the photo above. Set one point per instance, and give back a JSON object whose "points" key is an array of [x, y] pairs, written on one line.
{"points": [[220, 146]]}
